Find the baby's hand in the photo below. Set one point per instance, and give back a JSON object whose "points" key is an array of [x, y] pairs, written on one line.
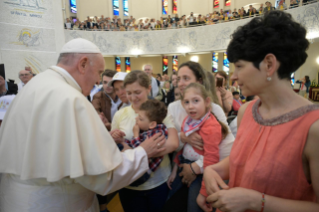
{"points": [[136, 130]]}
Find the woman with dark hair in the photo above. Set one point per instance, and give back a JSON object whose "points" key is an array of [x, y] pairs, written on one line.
{"points": [[304, 86], [274, 162], [192, 72]]}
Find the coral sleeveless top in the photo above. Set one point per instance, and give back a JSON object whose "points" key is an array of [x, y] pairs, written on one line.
{"points": [[267, 154]]}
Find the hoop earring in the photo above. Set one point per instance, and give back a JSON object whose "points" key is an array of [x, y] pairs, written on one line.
{"points": [[268, 79]]}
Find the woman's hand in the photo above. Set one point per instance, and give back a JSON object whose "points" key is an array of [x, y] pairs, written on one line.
{"points": [[235, 199], [117, 135], [172, 177], [213, 181], [187, 174], [222, 91], [194, 139], [201, 202]]}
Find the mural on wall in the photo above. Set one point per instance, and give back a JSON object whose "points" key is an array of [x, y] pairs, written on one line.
{"points": [[101, 43], [205, 38], [30, 35], [29, 38], [15, 61], [26, 4], [310, 20], [37, 13]]}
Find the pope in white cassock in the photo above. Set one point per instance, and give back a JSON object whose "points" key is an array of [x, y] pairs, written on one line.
{"points": [[55, 152]]}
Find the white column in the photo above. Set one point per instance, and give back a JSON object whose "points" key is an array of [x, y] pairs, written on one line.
{"points": [[221, 4], [211, 6], [110, 9], [179, 8], [130, 8]]}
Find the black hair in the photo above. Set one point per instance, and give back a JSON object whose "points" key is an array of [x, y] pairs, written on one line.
{"points": [[275, 33], [307, 78], [235, 93], [250, 98]]}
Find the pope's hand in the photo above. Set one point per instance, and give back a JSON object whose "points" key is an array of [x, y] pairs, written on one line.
{"points": [[154, 145]]}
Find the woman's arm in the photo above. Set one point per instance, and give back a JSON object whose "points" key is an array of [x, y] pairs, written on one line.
{"points": [[227, 100]]}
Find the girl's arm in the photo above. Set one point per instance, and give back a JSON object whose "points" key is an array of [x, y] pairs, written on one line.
{"points": [[212, 136]]}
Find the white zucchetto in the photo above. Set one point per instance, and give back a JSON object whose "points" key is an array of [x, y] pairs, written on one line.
{"points": [[80, 45]]}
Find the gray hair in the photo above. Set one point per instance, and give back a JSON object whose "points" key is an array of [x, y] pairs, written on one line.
{"points": [[69, 58], [148, 65]]}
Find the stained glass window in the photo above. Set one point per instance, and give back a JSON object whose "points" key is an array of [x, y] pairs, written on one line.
{"points": [[227, 2], [73, 6], [118, 64], [127, 64], [226, 63], [215, 62], [174, 6], [165, 64], [175, 63], [116, 7], [125, 7], [216, 3], [164, 7]]}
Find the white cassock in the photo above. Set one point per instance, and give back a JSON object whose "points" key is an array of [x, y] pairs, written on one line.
{"points": [[56, 153]]}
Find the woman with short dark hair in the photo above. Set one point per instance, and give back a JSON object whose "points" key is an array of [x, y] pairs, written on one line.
{"points": [[274, 162]]}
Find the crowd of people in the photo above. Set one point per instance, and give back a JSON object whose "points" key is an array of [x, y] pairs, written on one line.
{"points": [[66, 139], [131, 24]]}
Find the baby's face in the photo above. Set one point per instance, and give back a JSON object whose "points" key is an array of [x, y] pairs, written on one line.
{"points": [[142, 120]]}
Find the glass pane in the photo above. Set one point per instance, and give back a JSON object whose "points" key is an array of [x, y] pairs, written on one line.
{"points": [[125, 7], [174, 6], [165, 64], [216, 3], [127, 64], [215, 62], [118, 64], [165, 7], [73, 6], [226, 63], [175, 63], [116, 7]]}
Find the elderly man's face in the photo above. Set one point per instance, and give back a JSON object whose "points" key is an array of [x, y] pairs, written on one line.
{"points": [[25, 76], [148, 70], [92, 73]]}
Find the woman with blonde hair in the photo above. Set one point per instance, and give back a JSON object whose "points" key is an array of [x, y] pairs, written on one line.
{"points": [[151, 195]]}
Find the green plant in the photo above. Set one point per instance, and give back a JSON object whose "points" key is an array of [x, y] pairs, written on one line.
{"points": [[314, 84]]}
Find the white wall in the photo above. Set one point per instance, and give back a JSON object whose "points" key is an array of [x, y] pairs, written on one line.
{"points": [[30, 36], [93, 8], [310, 67], [198, 7]]}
